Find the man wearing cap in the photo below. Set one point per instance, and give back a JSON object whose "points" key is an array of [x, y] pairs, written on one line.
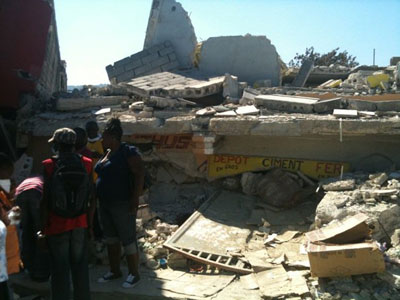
{"points": [[66, 236]]}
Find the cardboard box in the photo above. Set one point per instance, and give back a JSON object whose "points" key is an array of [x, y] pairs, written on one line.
{"points": [[350, 230], [344, 260]]}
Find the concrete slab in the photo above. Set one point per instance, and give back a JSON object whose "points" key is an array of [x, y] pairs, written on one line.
{"points": [[304, 72], [250, 58], [230, 113], [247, 110], [287, 103], [327, 106], [189, 84], [71, 104], [216, 229], [345, 113]]}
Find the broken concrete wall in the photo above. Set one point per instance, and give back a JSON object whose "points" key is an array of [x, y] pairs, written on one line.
{"points": [[53, 77], [168, 21], [251, 58], [158, 58]]}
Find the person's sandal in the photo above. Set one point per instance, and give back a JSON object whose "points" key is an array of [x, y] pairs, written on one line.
{"points": [[108, 277]]}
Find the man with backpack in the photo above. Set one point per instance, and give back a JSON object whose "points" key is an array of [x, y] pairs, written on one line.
{"points": [[66, 215]]}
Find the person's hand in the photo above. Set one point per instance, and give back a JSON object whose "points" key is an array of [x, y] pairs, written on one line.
{"points": [[14, 215], [105, 158]]}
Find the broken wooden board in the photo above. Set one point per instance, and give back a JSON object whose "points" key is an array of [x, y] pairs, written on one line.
{"points": [[225, 262], [287, 236], [349, 230], [277, 283], [213, 229], [293, 251], [259, 260], [249, 282]]}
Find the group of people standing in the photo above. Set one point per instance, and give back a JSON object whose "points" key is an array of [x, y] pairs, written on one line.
{"points": [[87, 168]]}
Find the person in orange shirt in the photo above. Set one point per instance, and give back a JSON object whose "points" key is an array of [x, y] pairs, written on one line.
{"points": [[6, 208], [9, 215]]}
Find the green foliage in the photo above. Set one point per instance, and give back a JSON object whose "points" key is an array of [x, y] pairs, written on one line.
{"points": [[333, 57]]}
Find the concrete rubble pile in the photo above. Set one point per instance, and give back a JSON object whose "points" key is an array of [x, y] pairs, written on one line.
{"points": [[377, 197], [237, 146], [278, 246]]}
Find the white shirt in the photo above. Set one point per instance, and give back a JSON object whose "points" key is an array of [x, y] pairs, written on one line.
{"points": [[3, 257]]}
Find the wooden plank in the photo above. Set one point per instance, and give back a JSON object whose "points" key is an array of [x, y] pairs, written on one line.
{"points": [[224, 266]]}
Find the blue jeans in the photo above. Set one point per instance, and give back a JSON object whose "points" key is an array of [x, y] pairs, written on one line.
{"points": [[69, 256]]}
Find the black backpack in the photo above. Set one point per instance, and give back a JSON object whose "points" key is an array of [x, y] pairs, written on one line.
{"points": [[69, 186]]}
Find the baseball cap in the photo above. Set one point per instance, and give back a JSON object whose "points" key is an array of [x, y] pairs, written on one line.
{"points": [[63, 136]]}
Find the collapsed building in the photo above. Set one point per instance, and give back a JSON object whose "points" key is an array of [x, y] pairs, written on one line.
{"points": [[248, 155]]}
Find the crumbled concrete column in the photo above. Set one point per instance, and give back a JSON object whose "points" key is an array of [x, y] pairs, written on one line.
{"points": [[168, 21]]}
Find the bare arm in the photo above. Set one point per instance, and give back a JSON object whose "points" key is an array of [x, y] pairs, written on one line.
{"points": [[4, 215], [137, 168]]}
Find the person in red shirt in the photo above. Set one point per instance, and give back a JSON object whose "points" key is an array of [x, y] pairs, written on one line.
{"points": [[66, 231]]}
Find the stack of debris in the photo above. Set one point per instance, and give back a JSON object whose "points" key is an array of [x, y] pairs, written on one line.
{"points": [[272, 250]]}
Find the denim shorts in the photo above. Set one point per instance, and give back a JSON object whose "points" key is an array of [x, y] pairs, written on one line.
{"points": [[118, 223]]}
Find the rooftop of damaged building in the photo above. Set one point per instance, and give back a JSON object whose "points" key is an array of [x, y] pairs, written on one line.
{"points": [[228, 85], [186, 101]]}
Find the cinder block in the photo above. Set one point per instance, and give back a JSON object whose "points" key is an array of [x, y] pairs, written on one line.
{"points": [[150, 58], [109, 68], [110, 71], [159, 62], [122, 62], [133, 64], [156, 48], [139, 55], [170, 66], [143, 69], [154, 70], [126, 76], [119, 70], [166, 51]]}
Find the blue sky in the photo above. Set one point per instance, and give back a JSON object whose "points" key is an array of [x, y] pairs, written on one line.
{"points": [[95, 33]]}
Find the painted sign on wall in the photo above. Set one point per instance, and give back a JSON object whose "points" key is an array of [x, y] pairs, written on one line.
{"points": [[228, 165], [164, 142]]}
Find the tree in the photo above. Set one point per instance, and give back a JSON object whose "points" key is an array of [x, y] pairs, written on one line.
{"points": [[332, 57]]}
